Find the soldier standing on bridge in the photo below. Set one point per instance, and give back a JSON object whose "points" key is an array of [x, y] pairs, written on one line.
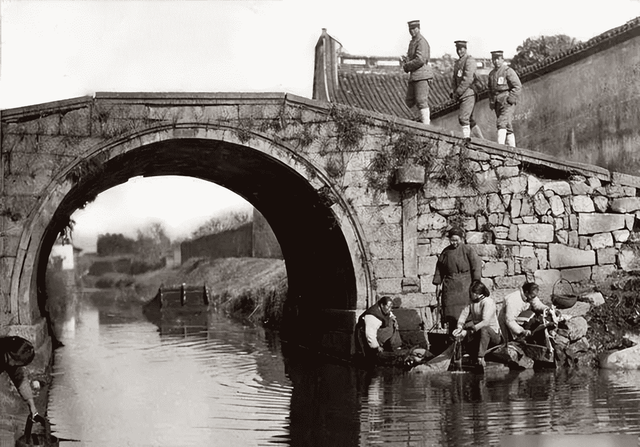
{"points": [[464, 89], [416, 63], [504, 91]]}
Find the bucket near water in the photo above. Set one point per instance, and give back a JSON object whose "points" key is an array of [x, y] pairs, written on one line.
{"points": [[37, 439]]}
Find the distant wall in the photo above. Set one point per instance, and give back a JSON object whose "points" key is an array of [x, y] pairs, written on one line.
{"points": [[585, 111], [237, 243]]}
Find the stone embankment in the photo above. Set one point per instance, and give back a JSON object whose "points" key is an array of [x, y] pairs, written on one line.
{"points": [[568, 233]]}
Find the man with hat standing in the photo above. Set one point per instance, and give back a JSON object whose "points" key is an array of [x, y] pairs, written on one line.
{"points": [[416, 63], [504, 91], [464, 85]]}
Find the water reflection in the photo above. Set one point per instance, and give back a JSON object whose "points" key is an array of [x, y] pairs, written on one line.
{"points": [[122, 380]]}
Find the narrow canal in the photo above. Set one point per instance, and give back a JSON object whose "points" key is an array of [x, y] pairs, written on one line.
{"points": [[120, 380]]}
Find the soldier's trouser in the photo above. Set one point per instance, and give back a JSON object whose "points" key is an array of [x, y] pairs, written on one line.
{"points": [[417, 94], [504, 115], [465, 114]]}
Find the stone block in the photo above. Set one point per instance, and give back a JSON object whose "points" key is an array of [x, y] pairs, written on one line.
{"points": [[575, 275], [574, 239], [606, 256], [579, 188], [486, 251], [513, 185], [546, 277], [437, 245], [493, 269], [594, 298], [601, 240], [426, 285], [509, 282], [625, 204], [412, 300], [495, 204], [540, 204], [386, 232], [386, 249], [410, 284], [601, 204], [594, 182], [76, 122], [533, 185], [535, 232], [487, 182], [516, 204], [630, 220], [582, 204], [557, 206], [561, 256], [431, 221], [600, 272], [529, 265], [629, 259], [542, 254], [577, 328], [591, 223], [388, 268], [621, 235], [388, 286], [474, 205], [427, 264], [475, 237], [447, 203], [526, 209], [507, 171], [577, 310], [562, 188]]}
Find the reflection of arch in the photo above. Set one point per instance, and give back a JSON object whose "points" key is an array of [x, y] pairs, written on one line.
{"points": [[320, 237]]}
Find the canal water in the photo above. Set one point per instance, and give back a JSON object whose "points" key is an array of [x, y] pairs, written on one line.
{"points": [[121, 380]]}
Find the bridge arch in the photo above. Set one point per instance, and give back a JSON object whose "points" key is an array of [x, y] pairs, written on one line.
{"points": [[326, 259]]}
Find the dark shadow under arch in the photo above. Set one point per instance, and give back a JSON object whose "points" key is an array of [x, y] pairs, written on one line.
{"points": [[319, 265]]}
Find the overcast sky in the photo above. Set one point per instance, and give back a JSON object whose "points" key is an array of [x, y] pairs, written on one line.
{"points": [[53, 50]]}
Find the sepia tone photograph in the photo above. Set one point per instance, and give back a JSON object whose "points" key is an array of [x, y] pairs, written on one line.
{"points": [[319, 223]]}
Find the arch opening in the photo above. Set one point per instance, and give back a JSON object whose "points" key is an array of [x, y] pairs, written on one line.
{"points": [[318, 258]]}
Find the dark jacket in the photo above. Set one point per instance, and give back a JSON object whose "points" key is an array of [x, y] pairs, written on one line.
{"points": [[417, 64]]}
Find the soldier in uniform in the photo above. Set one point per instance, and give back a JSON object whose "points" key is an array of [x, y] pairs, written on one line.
{"points": [[416, 63], [504, 91], [464, 89]]}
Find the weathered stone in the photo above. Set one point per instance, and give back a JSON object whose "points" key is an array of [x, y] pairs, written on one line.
{"points": [[533, 185], [629, 259], [431, 221], [601, 240], [426, 284], [624, 359], [580, 188], [578, 274], [556, 204], [437, 245], [427, 264], [382, 250], [561, 256], [574, 240], [577, 328], [529, 265], [388, 268], [601, 204], [486, 250], [582, 204], [509, 282], [615, 191], [516, 204], [601, 272], [594, 298], [561, 188], [542, 254], [493, 269], [630, 220], [445, 203], [507, 171], [494, 204], [589, 223], [474, 205], [625, 204], [562, 236], [577, 310], [513, 233], [535, 232], [475, 237], [388, 286], [621, 235], [606, 256], [487, 182], [547, 277], [540, 204], [513, 185], [594, 182]]}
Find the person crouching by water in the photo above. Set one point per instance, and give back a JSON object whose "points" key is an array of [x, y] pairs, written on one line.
{"points": [[377, 330], [515, 304], [15, 354], [457, 267], [478, 325]]}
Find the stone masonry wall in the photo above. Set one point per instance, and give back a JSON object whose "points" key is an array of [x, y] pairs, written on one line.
{"points": [[526, 228]]}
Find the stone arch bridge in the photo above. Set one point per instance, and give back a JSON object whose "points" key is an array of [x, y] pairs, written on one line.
{"points": [[343, 190]]}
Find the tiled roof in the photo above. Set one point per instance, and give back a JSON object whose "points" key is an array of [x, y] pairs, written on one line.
{"points": [[383, 92]]}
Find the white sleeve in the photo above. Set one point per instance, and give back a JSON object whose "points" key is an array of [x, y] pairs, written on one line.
{"points": [[371, 326]]}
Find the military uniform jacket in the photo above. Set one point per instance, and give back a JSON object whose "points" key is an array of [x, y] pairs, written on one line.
{"points": [[504, 81], [417, 64], [464, 77]]}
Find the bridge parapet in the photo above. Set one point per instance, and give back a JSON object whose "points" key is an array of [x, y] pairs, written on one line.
{"points": [[528, 215]]}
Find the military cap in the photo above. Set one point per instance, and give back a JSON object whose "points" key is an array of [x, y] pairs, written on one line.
{"points": [[414, 24], [461, 43], [496, 54]]}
